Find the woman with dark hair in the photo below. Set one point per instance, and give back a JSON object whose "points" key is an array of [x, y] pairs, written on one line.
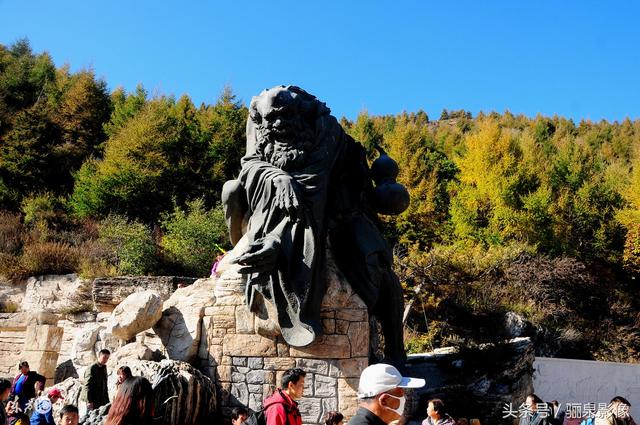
{"points": [[124, 372], [436, 414], [333, 418], [133, 405]]}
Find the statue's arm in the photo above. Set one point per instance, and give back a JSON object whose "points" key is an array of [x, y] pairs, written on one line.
{"points": [[256, 173]]}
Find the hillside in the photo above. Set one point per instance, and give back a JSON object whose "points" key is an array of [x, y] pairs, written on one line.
{"points": [[517, 226]]}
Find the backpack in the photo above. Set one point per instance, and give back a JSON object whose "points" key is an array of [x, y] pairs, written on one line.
{"points": [[260, 418]]}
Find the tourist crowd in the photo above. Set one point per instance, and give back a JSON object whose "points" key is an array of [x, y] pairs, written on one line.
{"points": [[381, 393]]}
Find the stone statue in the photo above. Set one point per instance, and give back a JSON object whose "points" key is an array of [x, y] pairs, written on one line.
{"points": [[305, 182]]}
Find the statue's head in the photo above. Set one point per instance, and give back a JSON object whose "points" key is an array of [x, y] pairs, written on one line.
{"points": [[285, 119]]}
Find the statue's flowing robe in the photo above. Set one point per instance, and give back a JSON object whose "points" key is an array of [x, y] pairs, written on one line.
{"points": [[297, 285], [334, 185]]}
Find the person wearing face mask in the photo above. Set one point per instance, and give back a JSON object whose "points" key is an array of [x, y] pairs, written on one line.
{"points": [[381, 394]]}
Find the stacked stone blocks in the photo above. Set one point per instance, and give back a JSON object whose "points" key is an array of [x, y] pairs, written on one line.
{"points": [[246, 356]]}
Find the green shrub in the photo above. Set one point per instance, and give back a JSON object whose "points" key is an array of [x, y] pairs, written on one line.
{"points": [[130, 246], [42, 208], [193, 238], [96, 260]]}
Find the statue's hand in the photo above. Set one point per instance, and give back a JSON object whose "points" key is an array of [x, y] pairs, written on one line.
{"points": [[287, 197], [261, 256]]}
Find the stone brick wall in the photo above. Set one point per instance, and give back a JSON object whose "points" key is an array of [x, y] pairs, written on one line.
{"points": [[30, 337], [11, 343], [246, 357]]}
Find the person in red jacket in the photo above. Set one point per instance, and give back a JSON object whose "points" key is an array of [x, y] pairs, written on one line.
{"points": [[281, 408]]}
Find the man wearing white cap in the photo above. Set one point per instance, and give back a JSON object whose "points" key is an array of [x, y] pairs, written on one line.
{"points": [[381, 394]]}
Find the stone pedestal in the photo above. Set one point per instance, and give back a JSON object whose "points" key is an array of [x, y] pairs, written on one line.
{"points": [[246, 356], [41, 347]]}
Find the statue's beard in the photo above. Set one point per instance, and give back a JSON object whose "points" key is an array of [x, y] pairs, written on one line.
{"points": [[285, 151], [286, 157]]}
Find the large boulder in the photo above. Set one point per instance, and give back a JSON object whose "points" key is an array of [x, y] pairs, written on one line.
{"points": [[130, 353], [179, 329], [57, 293], [138, 312], [108, 292], [83, 350]]}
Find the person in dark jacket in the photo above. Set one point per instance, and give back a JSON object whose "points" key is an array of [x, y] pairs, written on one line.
{"points": [[5, 390], [281, 407], [381, 394], [26, 385], [94, 389]]}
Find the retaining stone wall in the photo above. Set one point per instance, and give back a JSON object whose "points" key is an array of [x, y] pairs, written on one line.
{"points": [[246, 357]]}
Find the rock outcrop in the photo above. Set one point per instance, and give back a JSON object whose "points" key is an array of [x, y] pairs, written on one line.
{"points": [[131, 353], [136, 313], [474, 382], [57, 293], [179, 329], [83, 352], [108, 292]]}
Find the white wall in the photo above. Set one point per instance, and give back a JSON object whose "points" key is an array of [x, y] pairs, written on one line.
{"points": [[584, 381]]}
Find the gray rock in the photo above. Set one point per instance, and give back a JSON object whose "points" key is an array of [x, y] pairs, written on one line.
{"points": [[180, 327], [239, 361], [82, 352], [82, 317], [97, 416], [136, 313], [237, 377], [255, 363], [314, 366], [256, 377], [310, 409], [308, 384], [325, 386], [255, 389], [239, 394], [329, 404], [57, 293], [24, 318], [483, 380], [65, 370], [255, 402], [515, 324]]}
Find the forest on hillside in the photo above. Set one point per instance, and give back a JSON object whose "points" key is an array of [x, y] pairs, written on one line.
{"points": [[517, 225]]}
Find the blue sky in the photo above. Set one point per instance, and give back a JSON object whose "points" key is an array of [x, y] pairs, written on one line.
{"points": [[579, 59]]}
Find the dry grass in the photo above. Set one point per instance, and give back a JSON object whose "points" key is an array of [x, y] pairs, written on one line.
{"points": [[49, 258]]}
